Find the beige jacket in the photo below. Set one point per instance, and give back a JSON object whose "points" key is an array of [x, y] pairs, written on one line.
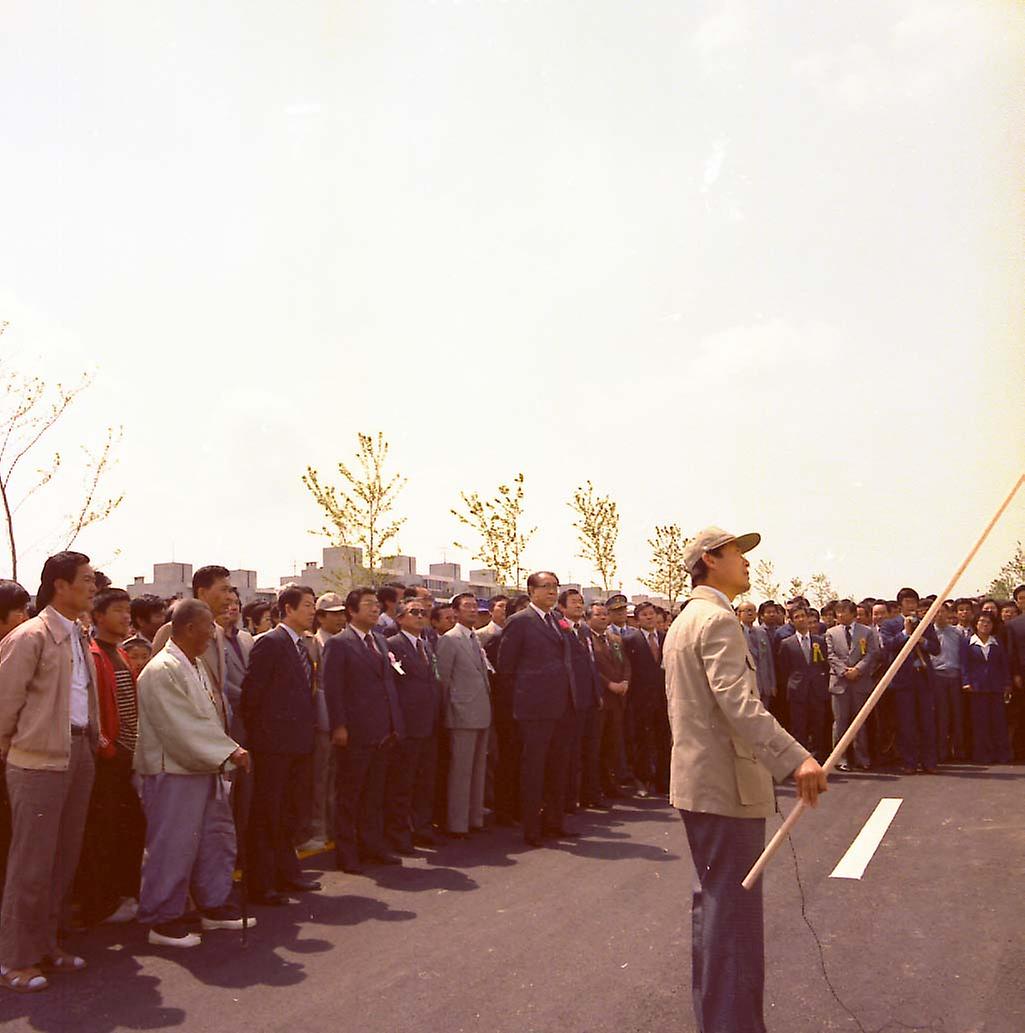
{"points": [[35, 694], [727, 747], [213, 658], [180, 729]]}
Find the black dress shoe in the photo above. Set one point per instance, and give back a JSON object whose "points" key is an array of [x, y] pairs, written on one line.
{"points": [[425, 839], [405, 849], [479, 828], [534, 841], [458, 835], [269, 899], [506, 820], [562, 834], [909, 771], [301, 885], [349, 865], [597, 805]]}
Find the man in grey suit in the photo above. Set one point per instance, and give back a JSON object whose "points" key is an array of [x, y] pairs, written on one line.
{"points": [[760, 648], [853, 653], [463, 669]]}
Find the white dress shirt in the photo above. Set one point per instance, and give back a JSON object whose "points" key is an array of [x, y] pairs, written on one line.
{"points": [[79, 672], [984, 646]]}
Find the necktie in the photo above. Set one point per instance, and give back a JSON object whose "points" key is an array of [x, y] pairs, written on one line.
{"points": [[368, 638], [850, 640], [653, 645], [805, 648], [550, 617], [304, 659], [420, 651]]}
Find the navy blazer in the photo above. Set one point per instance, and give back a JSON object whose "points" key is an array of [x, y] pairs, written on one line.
{"points": [[535, 660], [891, 631], [992, 675], [419, 689], [587, 691], [646, 675], [359, 688], [1014, 640], [802, 678], [276, 704]]}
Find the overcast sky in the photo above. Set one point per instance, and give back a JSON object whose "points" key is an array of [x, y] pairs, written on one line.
{"points": [[751, 264]]}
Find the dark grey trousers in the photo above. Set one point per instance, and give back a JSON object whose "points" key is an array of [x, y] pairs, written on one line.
{"points": [[728, 952], [48, 812]]}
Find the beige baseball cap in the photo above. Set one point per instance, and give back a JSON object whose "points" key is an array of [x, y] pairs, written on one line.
{"points": [[709, 538], [330, 602]]}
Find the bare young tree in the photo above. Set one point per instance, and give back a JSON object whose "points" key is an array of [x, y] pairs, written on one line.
{"points": [[597, 527], [764, 580], [821, 589], [498, 523], [1010, 575], [668, 575], [29, 409], [357, 513]]}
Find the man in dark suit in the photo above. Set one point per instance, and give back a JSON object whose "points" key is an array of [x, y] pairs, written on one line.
{"points": [[411, 776], [581, 783], [804, 676], [277, 711], [1014, 632], [911, 687], [365, 715], [534, 655], [647, 701], [614, 677]]}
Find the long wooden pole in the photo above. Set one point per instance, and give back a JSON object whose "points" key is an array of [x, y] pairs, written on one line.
{"points": [[848, 737]]}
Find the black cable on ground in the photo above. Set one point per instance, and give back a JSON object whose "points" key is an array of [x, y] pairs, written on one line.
{"points": [[822, 959]]}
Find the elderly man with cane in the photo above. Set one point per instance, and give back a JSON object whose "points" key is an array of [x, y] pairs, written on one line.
{"points": [[181, 753], [727, 748]]}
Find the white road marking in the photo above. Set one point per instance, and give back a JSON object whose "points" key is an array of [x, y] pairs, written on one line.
{"points": [[853, 864]]}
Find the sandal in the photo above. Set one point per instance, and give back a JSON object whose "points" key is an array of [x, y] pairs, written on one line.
{"points": [[62, 963], [28, 981]]}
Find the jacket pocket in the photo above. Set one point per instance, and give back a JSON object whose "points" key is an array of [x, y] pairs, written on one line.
{"points": [[754, 784]]}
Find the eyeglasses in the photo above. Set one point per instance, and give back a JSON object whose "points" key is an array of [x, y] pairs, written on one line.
{"points": [[547, 584], [417, 613]]}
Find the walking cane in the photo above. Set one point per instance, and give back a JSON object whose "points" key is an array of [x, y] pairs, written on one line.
{"points": [[848, 737]]}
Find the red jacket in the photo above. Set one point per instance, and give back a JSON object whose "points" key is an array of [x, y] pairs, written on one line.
{"points": [[110, 724]]}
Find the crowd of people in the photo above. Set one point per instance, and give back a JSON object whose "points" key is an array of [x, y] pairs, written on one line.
{"points": [[154, 747]]}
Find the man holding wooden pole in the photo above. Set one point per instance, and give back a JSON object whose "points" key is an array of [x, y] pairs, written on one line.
{"points": [[727, 748]]}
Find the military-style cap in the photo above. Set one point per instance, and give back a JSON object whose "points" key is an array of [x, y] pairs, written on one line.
{"points": [[615, 601], [330, 602], [712, 538]]}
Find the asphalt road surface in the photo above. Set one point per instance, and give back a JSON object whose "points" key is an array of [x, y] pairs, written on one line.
{"points": [[593, 936]]}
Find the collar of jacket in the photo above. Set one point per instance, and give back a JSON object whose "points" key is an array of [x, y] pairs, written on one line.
{"points": [[55, 626], [710, 596]]}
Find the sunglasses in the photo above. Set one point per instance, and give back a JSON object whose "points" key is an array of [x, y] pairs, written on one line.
{"points": [[417, 613]]}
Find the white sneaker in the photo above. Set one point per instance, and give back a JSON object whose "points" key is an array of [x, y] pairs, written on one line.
{"points": [[174, 935], [126, 912], [225, 917]]}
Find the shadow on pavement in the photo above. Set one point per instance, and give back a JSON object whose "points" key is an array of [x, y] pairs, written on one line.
{"points": [[114, 995]]}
